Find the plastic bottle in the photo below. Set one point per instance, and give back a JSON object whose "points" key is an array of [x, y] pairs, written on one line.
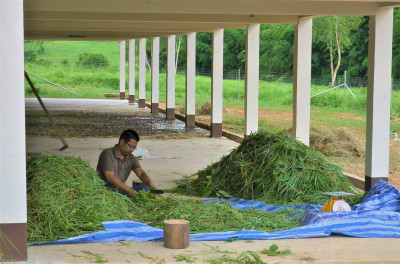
{"points": [[396, 135]]}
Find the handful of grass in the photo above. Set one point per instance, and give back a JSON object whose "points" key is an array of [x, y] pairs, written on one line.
{"points": [[271, 167]]}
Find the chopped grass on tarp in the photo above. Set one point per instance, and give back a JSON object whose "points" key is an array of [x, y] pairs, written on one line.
{"points": [[66, 198], [272, 167], [210, 217]]}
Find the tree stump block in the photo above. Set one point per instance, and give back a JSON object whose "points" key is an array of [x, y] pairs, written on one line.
{"points": [[176, 233]]}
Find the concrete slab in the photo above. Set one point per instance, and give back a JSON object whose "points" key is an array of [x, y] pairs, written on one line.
{"points": [[315, 250], [168, 161]]}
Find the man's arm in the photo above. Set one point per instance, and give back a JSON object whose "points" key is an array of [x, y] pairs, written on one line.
{"points": [[114, 181], [142, 175]]}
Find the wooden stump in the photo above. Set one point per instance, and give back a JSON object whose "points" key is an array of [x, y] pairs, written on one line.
{"points": [[176, 233]]}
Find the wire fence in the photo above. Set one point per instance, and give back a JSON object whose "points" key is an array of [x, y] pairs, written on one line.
{"points": [[288, 78]]}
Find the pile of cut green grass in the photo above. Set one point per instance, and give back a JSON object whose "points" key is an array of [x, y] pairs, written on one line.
{"points": [[210, 217], [272, 167], [67, 198]]}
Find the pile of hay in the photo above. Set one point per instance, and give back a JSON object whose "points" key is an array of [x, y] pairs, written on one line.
{"points": [[271, 167], [201, 110], [337, 142]]}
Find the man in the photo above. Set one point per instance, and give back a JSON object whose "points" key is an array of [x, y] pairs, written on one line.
{"points": [[116, 163]]}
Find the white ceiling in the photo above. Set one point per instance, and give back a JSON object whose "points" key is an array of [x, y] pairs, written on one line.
{"points": [[128, 19]]}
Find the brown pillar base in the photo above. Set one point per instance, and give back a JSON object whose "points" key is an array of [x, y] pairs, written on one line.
{"points": [[216, 130], [131, 99], [17, 250], [121, 95], [370, 181], [190, 122], [154, 108], [170, 113], [142, 103]]}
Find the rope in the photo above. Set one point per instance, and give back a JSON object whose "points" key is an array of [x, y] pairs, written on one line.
{"points": [[53, 83]]}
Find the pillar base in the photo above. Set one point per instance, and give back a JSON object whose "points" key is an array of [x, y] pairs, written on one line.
{"points": [[17, 234], [131, 99], [154, 108], [170, 113], [370, 181], [142, 103], [216, 130], [190, 122], [121, 95]]}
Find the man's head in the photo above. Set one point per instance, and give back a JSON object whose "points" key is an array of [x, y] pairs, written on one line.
{"points": [[129, 134], [128, 141]]}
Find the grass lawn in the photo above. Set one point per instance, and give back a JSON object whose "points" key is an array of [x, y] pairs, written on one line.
{"points": [[330, 110]]}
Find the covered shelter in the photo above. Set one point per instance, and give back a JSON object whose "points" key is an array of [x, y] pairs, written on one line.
{"points": [[122, 20]]}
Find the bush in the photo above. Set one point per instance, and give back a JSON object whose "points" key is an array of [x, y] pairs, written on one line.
{"points": [[89, 61], [30, 56]]}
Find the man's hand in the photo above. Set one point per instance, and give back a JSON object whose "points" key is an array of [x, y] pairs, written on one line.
{"points": [[131, 192]]}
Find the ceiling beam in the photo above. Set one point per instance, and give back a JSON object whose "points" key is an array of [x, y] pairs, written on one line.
{"points": [[210, 7], [154, 17]]}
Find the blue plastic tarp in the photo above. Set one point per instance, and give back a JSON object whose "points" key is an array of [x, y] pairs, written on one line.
{"points": [[378, 215]]}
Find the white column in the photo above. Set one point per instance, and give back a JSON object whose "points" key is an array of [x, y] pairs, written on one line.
{"points": [[132, 64], [122, 70], [171, 72], [142, 73], [13, 213], [378, 96], [251, 78], [217, 82], [302, 79], [155, 74], [190, 79]]}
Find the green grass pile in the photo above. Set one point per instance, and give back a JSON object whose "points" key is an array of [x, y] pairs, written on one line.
{"points": [[271, 167], [66, 198], [210, 217]]}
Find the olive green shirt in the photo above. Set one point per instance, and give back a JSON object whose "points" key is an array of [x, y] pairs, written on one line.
{"points": [[109, 161]]}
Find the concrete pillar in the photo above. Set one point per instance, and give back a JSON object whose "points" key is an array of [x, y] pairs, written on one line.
{"points": [[142, 73], [13, 212], [217, 82], [190, 80], [378, 96], [171, 72], [155, 75], [122, 70], [132, 64], [251, 78], [302, 79]]}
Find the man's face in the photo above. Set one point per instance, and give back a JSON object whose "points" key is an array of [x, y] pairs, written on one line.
{"points": [[129, 146]]}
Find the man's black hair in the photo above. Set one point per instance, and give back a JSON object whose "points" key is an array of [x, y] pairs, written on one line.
{"points": [[129, 134]]}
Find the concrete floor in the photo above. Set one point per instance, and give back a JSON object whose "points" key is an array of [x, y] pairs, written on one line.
{"points": [[167, 161]]}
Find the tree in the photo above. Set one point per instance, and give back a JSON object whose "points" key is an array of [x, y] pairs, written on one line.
{"points": [[234, 49], [203, 50], [334, 31], [396, 43], [276, 48], [357, 58]]}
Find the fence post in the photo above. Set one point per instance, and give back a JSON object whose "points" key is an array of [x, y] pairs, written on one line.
{"points": [[238, 85]]}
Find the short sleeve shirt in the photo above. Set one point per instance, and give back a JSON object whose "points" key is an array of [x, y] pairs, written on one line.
{"points": [[109, 161]]}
